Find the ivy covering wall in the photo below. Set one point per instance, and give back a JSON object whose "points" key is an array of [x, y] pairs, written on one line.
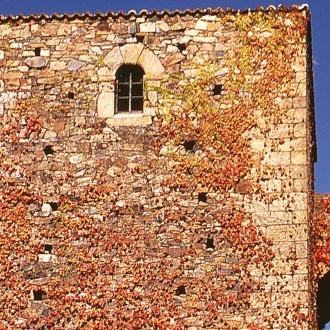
{"points": [[199, 219]]}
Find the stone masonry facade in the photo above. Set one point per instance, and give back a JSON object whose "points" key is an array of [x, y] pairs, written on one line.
{"points": [[96, 230]]}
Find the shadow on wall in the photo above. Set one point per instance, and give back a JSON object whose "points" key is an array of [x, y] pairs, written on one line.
{"points": [[323, 302]]}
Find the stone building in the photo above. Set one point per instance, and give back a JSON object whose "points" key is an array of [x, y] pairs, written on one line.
{"points": [[157, 170]]}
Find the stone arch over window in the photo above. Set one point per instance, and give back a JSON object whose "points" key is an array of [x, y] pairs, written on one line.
{"points": [[127, 55]]}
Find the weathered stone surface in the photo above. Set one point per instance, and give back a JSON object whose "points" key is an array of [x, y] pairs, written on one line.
{"points": [[46, 208], [152, 65], [121, 202], [131, 52], [173, 59], [36, 62], [105, 104], [76, 159], [114, 59], [222, 72], [148, 27], [58, 65], [75, 65], [129, 121]]}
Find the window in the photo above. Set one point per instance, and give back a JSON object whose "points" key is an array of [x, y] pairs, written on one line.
{"points": [[38, 295], [37, 51], [129, 89]]}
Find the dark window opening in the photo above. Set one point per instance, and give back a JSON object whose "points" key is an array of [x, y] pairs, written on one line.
{"points": [[182, 47], [129, 89], [37, 295], [54, 206], [180, 290], [323, 301], [202, 197], [210, 243], [37, 51], [189, 145], [140, 39], [48, 150], [48, 248], [137, 189], [71, 95], [217, 90], [137, 208]]}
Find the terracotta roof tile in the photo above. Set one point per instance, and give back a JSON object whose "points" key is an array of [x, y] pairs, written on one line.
{"points": [[145, 12]]}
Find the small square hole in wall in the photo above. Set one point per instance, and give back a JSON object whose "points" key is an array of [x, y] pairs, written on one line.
{"points": [[202, 197], [217, 90], [37, 51], [137, 208], [48, 150], [37, 295], [54, 206], [137, 189], [210, 243], [182, 47], [140, 38], [48, 248], [180, 290], [71, 95], [189, 145]]}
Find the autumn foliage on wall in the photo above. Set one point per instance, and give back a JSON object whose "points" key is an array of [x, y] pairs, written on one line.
{"points": [[321, 236], [151, 227]]}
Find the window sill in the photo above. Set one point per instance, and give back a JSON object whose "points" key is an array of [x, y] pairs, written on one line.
{"points": [[129, 119], [128, 115]]}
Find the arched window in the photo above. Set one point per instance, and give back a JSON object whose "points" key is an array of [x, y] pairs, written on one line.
{"points": [[129, 89]]}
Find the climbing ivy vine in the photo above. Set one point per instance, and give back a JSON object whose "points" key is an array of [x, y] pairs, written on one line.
{"points": [[109, 270]]}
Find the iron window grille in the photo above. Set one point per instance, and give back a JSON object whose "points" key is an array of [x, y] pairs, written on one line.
{"points": [[129, 89]]}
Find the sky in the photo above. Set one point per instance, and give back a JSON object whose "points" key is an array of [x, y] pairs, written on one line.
{"points": [[321, 47]]}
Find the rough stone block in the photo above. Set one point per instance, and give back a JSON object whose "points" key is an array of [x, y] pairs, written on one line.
{"points": [[75, 65], [105, 104], [36, 62]]}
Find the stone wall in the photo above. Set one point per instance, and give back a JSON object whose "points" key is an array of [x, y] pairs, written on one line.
{"points": [[99, 227]]}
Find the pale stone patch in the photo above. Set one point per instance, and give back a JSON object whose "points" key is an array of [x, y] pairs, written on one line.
{"points": [[129, 121], [105, 104], [299, 158], [46, 207], [151, 64], [76, 159], [205, 39], [114, 59], [162, 26], [36, 62], [96, 50], [173, 59], [172, 49], [131, 53], [148, 27], [152, 97], [104, 74], [58, 65], [75, 65], [201, 25]]}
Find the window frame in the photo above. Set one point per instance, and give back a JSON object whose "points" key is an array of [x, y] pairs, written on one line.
{"points": [[129, 77]]}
